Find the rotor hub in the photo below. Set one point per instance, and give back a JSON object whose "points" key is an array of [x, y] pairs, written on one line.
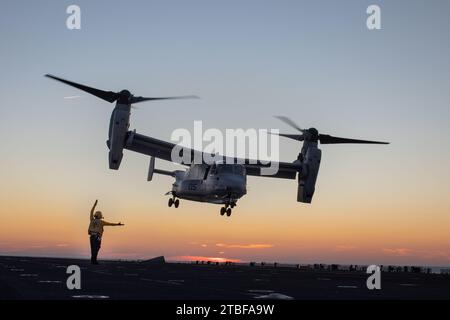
{"points": [[124, 97], [312, 134]]}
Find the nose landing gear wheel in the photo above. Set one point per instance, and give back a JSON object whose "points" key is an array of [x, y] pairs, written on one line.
{"points": [[228, 212], [177, 203], [170, 203], [222, 211]]}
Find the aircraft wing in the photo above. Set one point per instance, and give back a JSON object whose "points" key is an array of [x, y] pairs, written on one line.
{"points": [[163, 150]]}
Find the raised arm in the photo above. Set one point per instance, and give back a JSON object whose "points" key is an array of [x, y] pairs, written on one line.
{"points": [[93, 209]]}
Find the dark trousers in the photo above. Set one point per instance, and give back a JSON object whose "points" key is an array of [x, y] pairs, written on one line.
{"points": [[96, 242]]}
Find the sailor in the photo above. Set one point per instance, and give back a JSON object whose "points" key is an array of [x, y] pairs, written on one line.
{"points": [[95, 231]]}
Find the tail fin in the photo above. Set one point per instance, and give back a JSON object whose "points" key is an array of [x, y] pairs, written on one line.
{"points": [[151, 170]]}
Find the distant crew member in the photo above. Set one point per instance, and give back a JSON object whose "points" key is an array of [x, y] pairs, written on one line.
{"points": [[95, 231]]}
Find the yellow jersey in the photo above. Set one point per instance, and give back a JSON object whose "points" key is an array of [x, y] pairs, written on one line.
{"points": [[96, 226]]}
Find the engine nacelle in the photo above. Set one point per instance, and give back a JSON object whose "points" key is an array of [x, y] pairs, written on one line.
{"points": [[308, 176], [118, 128]]}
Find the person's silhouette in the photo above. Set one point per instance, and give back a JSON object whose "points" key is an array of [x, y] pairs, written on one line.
{"points": [[95, 231]]}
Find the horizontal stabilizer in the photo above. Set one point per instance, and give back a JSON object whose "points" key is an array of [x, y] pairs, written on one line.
{"points": [[164, 172]]}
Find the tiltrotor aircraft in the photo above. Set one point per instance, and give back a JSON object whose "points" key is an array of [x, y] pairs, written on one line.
{"points": [[221, 182]]}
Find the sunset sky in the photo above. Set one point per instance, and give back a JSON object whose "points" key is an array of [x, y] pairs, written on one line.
{"points": [[314, 61]]}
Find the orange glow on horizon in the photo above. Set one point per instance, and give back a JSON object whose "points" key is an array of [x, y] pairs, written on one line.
{"points": [[42, 218], [204, 259], [245, 246]]}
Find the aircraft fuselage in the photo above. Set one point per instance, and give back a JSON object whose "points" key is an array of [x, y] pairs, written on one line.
{"points": [[219, 184]]}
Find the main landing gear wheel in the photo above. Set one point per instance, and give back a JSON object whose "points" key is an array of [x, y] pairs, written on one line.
{"points": [[227, 208], [173, 201]]}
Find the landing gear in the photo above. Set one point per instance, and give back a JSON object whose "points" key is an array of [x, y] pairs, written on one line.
{"points": [[173, 201], [227, 208]]}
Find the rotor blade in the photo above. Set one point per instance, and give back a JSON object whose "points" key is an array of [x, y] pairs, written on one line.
{"points": [[298, 137], [105, 95], [142, 99], [289, 122], [327, 139]]}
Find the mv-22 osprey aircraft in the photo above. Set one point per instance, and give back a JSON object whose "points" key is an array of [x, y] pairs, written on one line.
{"points": [[221, 182]]}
